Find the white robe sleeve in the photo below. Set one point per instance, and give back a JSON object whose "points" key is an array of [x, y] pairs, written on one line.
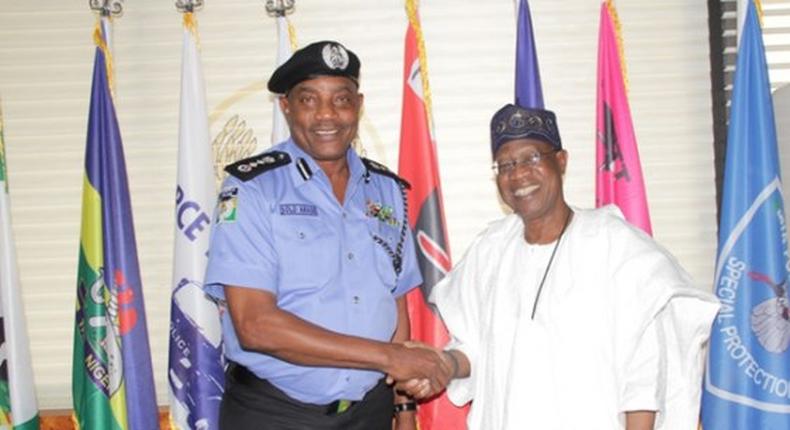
{"points": [[458, 297], [653, 292], [642, 385]]}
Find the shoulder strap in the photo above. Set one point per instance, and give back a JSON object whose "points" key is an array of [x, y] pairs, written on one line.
{"points": [[376, 167], [251, 167]]}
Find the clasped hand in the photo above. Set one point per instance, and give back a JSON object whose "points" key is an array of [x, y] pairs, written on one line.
{"points": [[419, 370]]}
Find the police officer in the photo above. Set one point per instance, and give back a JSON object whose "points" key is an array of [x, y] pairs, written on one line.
{"points": [[312, 255]]}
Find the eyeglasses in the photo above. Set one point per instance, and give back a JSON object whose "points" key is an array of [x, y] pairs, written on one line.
{"points": [[503, 168]]}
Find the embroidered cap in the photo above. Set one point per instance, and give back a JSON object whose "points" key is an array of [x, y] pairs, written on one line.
{"points": [[325, 58], [515, 122]]}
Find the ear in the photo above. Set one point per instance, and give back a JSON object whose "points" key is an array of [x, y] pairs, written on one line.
{"points": [[562, 160], [361, 100], [283, 100]]}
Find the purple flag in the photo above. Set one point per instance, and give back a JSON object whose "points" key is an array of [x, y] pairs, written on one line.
{"points": [[528, 89]]}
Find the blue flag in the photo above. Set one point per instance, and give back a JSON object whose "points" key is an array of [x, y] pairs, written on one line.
{"points": [[112, 385], [528, 89], [747, 384]]}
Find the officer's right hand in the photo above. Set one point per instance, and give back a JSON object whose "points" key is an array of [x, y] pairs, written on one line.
{"points": [[419, 362]]}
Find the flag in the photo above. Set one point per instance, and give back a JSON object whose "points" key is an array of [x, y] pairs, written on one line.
{"points": [[747, 383], [18, 408], [196, 365], [284, 44], [112, 382], [618, 173], [417, 164], [528, 89]]}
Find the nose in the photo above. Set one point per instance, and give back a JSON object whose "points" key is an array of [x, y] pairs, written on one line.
{"points": [[326, 109], [522, 169]]}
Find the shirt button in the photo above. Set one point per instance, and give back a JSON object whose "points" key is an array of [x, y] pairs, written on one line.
{"points": [[350, 255], [356, 300], [301, 235], [345, 215]]}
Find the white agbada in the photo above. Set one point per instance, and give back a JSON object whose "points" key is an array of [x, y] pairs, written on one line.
{"points": [[618, 327]]}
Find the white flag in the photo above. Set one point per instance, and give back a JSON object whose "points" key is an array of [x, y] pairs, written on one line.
{"points": [[279, 126], [18, 408], [196, 361]]}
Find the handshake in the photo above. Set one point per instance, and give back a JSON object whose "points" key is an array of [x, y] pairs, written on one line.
{"points": [[422, 371]]}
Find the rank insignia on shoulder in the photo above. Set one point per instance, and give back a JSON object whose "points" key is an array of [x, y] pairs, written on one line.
{"points": [[251, 167], [376, 167]]}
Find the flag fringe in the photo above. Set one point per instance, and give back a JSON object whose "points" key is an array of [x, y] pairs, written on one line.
{"points": [[190, 24], [101, 43], [619, 37], [291, 35], [412, 12]]}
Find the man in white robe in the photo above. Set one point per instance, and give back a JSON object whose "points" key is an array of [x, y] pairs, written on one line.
{"points": [[563, 318]]}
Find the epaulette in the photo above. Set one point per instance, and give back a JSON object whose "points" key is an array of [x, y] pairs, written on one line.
{"points": [[251, 167], [375, 166]]}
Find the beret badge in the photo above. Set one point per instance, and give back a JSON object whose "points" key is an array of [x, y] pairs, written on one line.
{"points": [[335, 56]]}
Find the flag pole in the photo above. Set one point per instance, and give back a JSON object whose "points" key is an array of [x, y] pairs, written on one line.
{"points": [[286, 45]]}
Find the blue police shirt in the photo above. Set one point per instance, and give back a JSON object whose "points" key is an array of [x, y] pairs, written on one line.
{"points": [[285, 232]]}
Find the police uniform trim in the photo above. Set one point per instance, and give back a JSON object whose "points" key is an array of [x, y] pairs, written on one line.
{"points": [[375, 166], [304, 169], [251, 167]]}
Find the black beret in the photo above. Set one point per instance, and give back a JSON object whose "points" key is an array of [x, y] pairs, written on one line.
{"points": [[325, 58], [515, 122]]}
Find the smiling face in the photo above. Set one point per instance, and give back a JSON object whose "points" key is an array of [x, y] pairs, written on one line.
{"points": [[533, 192], [323, 116]]}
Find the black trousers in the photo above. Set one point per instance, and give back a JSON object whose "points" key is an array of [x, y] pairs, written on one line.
{"points": [[250, 403]]}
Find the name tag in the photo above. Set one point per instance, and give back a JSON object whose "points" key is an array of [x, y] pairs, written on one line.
{"points": [[297, 209]]}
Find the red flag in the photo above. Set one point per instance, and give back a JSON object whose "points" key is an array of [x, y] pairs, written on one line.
{"points": [[618, 171], [417, 164]]}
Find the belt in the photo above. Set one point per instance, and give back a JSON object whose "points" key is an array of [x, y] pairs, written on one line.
{"points": [[244, 376]]}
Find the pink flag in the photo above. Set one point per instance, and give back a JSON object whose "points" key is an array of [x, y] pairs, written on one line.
{"points": [[618, 176]]}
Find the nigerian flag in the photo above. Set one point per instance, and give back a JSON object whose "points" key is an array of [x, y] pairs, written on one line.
{"points": [[18, 409]]}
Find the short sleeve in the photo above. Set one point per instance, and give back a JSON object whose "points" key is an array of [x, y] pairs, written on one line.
{"points": [[241, 251]]}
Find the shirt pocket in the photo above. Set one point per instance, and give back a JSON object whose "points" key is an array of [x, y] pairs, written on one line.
{"points": [[308, 253]]}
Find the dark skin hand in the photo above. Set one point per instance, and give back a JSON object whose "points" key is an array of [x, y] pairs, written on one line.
{"points": [[262, 326], [425, 388]]}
